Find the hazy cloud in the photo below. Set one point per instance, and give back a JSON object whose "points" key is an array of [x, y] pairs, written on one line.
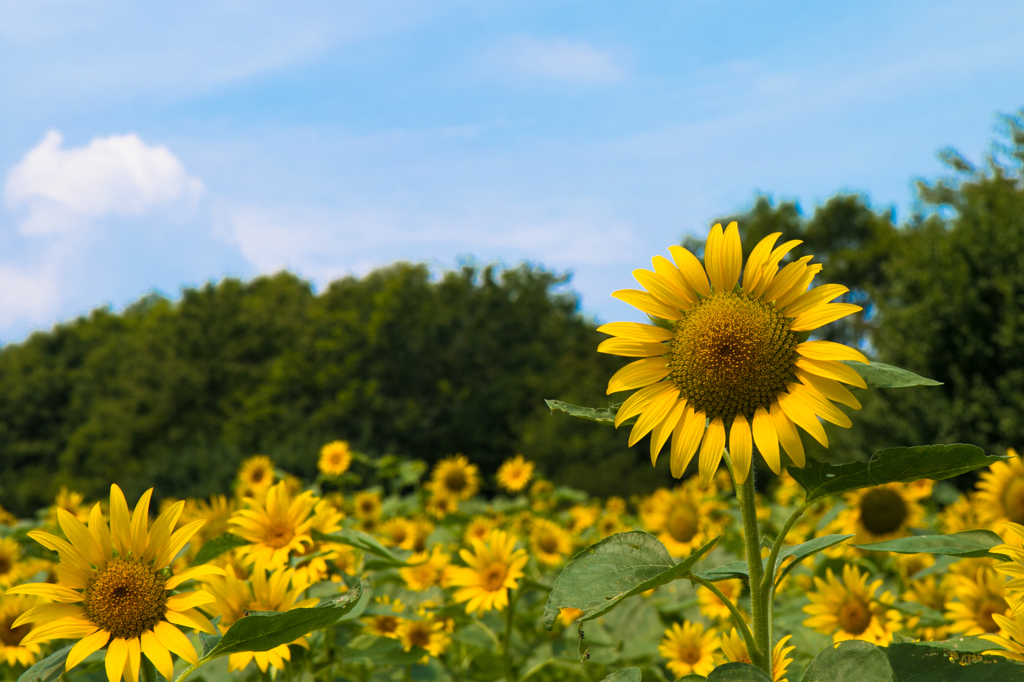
{"points": [[559, 60]]}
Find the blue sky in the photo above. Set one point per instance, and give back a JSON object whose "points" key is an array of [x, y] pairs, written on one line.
{"points": [[151, 147]]}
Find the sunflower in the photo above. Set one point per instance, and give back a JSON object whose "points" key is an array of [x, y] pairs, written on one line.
{"points": [[933, 593], [6, 517], [978, 599], [568, 614], [233, 597], [256, 474], [1000, 494], [515, 473], [541, 495], [610, 524], [71, 502], [419, 530], [582, 517], [425, 570], [115, 589], [427, 634], [882, 512], [1012, 641], [494, 569], [615, 505], [216, 512], [394, 532], [335, 458], [714, 608], [275, 529], [440, 506], [683, 519], [11, 567], [479, 527], [454, 477], [731, 357], [12, 649], [689, 649], [384, 624], [848, 609], [550, 542], [367, 506], [735, 651], [961, 515]]}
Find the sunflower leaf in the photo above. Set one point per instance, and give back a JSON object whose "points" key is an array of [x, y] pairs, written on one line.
{"points": [[602, 415], [851, 660], [624, 675], [968, 543], [360, 540], [620, 566], [225, 542], [729, 571], [923, 662], [738, 672], [881, 375], [265, 630], [804, 550], [48, 669], [903, 465]]}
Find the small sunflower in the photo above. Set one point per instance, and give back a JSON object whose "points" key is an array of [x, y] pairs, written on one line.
{"points": [[115, 589], [550, 542], [977, 599], [394, 532], [12, 649], [683, 519], [454, 477], [11, 567], [215, 512], [689, 649], [256, 474], [515, 473], [419, 531], [734, 650], [6, 517], [367, 506], [714, 608], [70, 501], [615, 505], [493, 569], [335, 458], [848, 609], [961, 515], [479, 527], [275, 529], [425, 570], [427, 634], [933, 593], [1000, 496], [232, 597], [732, 356], [882, 512], [582, 517], [382, 625], [610, 524]]}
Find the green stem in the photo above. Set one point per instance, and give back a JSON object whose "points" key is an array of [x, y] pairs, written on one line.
{"points": [[767, 582], [760, 616], [741, 624], [507, 640]]}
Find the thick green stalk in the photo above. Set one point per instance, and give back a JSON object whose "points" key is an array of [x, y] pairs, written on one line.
{"points": [[760, 653]]}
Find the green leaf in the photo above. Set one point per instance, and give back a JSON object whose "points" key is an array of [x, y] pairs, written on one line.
{"points": [[903, 465], [852, 660], [624, 675], [804, 550], [973, 644], [965, 544], [920, 662], [225, 542], [264, 630], [881, 375], [738, 672], [729, 571], [602, 415], [207, 641], [618, 567], [48, 669], [360, 540], [692, 677]]}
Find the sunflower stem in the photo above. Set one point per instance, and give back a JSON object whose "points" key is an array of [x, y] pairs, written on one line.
{"points": [[760, 652], [767, 582], [507, 639], [737, 616]]}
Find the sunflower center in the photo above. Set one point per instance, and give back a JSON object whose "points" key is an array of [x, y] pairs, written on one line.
{"points": [[257, 476], [732, 354], [419, 635], [385, 625], [126, 598], [682, 524], [5, 564], [549, 543], [492, 578], [12, 636], [1013, 500], [689, 655], [854, 616], [882, 511], [985, 611], [455, 480]]}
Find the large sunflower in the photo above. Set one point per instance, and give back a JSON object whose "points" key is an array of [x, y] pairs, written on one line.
{"points": [[849, 609], [978, 599], [115, 589], [883, 512], [277, 528], [1000, 496], [731, 357]]}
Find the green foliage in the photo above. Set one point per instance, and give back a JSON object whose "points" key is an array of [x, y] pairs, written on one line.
{"points": [[360, 540], [881, 375], [48, 669], [966, 544], [624, 675], [853, 660], [738, 672], [224, 542]]}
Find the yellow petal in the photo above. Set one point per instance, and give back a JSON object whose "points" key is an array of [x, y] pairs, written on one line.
{"points": [[638, 402], [645, 302], [48, 612], [731, 253], [740, 447], [814, 297], [786, 279], [788, 436], [711, 451], [86, 646], [685, 439], [766, 439], [819, 405], [160, 533], [100, 532], [665, 428], [188, 600], [158, 654], [822, 315], [120, 523], [131, 667], [671, 274], [117, 656], [178, 542], [173, 638], [140, 524], [190, 619], [758, 257], [631, 349], [691, 270], [829, 388], [194, 573], [661, 289], [652, 416], [80, 537], [829, 350], [803, 416], [713, 258], [51, 592], [636, 331], [830, 369], [71, 627], [771, 266], [800, 288], [68, 553], [639, 374]]}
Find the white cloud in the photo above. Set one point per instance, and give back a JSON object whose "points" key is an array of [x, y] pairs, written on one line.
{"points": [[559, 60], [27, 295], [118, 175]]}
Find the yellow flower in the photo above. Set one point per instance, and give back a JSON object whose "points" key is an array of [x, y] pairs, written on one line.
{"points": [[428, 635], [689, 649], [275, 529], [335, 458], [233, 597], [367, 506], [567, 615], [1000, 494], [494, 569], [114, 589], [71, 502], [735, 651], [615, 505], [440, 506], [216, 512], [12, 648], [256, 474], [11, 568], [479, 527], [384, 624], [714, 608], [882, 512], [610, 524], [933, 593], [425, 570], [979, 598], [394, 532], [455, 478], [682, 519], [1012, 637], [515, 473], [549, 542], [961, 515], [732, 357], [6, 517], [420, 530], [582, 517], [848, 609]]}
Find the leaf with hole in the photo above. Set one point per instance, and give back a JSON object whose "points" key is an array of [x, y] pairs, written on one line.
{"points": [[601, 415]]}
